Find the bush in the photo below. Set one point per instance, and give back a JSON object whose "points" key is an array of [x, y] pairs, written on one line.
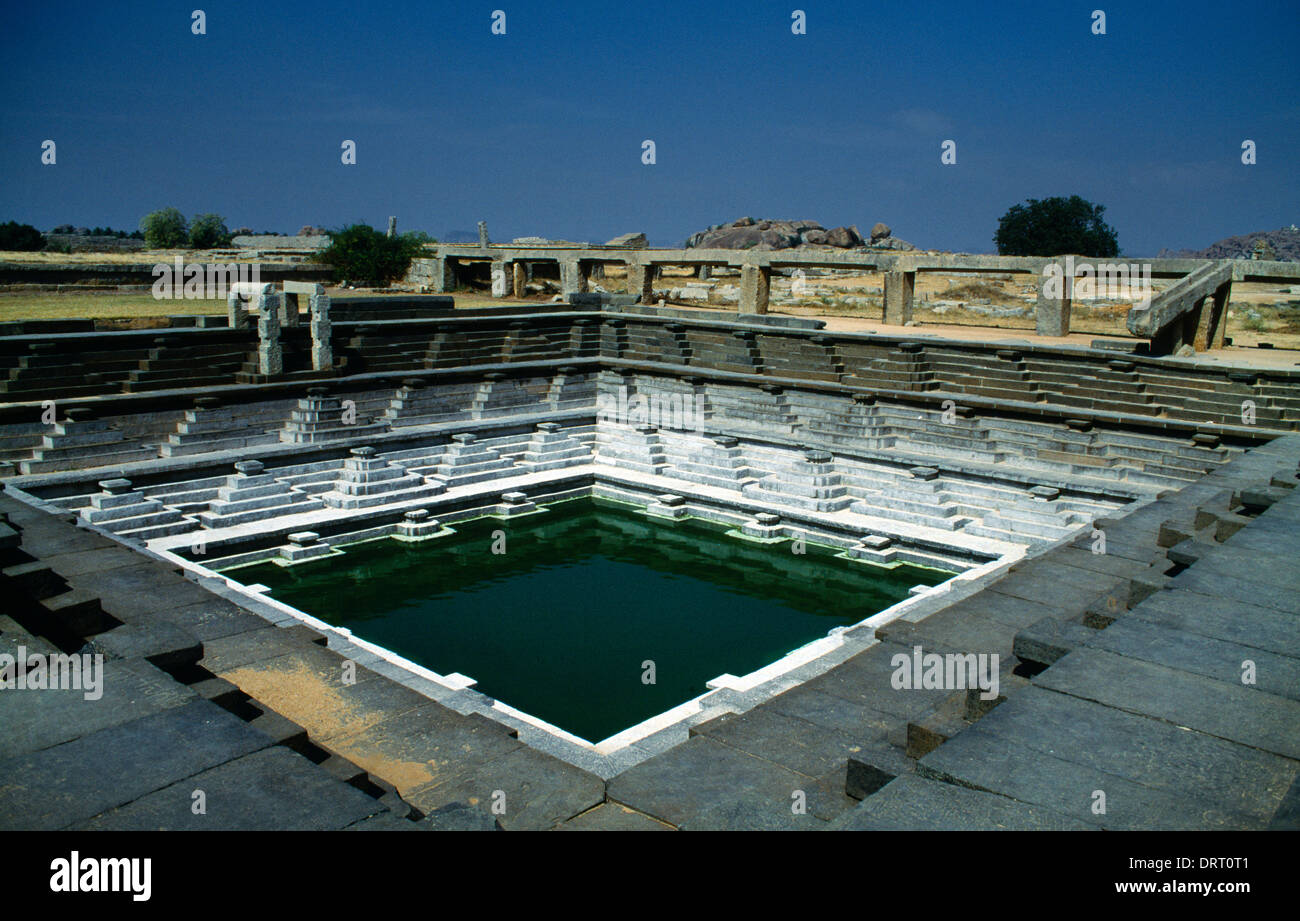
{"points": [[1055, 227], [362, 254], [21, 238], [164, 229], [418, 237], [208, 231]]}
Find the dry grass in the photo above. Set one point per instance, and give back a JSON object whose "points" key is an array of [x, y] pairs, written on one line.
{"points": [[142, 306], [99, 306]]}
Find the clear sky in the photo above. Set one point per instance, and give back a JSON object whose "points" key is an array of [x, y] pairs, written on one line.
{"points": [[539, 131]]}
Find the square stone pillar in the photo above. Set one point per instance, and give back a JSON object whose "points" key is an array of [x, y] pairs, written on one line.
{"points": [[1053, 313], [641, 281], [755, 282], [573, 277], [322, 352], [444, 274], [236, 310], [270, 358], [1214, 317], [518, 278], [900, 290]]}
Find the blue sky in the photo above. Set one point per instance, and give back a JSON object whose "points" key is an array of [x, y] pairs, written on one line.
{"points": [[539, 131]]}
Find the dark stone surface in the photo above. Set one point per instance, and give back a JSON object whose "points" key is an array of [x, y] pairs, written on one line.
{"points": [[703, 784], [34, 720], [1157, 754], [70, 783], [976, 758], [1229, 711], [272, 789], [460, 817], [1138, 638], [540, 791], [613, 817], [917, 804]]}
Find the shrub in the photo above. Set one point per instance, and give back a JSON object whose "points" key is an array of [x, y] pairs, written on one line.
{"points": [[208, 231], [164, 229], [1055, 227], [362, 254], [23, 238], [418, 237]]}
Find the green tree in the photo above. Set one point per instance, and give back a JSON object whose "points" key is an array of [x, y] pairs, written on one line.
{"points": [[20, 238], [208, 231], [418, 237], [359, 253], [164, 229], [1055, 227]]}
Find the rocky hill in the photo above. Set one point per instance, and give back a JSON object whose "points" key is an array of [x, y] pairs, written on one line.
{"points": [[1283, 244], [748, 233]]}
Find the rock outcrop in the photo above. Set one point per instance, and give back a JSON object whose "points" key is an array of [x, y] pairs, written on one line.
{"points": [[634, 240], [1283, 244], [748, 233]]}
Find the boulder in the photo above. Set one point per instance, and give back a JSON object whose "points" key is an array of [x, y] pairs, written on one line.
{"points": [[634, 240], [843, 237], [879, 232]]}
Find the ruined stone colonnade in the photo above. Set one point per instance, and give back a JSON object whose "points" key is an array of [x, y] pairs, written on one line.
{"points": [[1190, 312]]}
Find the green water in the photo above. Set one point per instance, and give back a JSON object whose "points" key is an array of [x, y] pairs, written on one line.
{"points": [[559, 625]]}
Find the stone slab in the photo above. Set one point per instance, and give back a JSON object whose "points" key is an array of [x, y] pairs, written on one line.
{"points": [[914, 803], [1234, 712], [269, 790], [536, 791], [34, 720], [70, 783], [705, 784], [613, 817]]}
